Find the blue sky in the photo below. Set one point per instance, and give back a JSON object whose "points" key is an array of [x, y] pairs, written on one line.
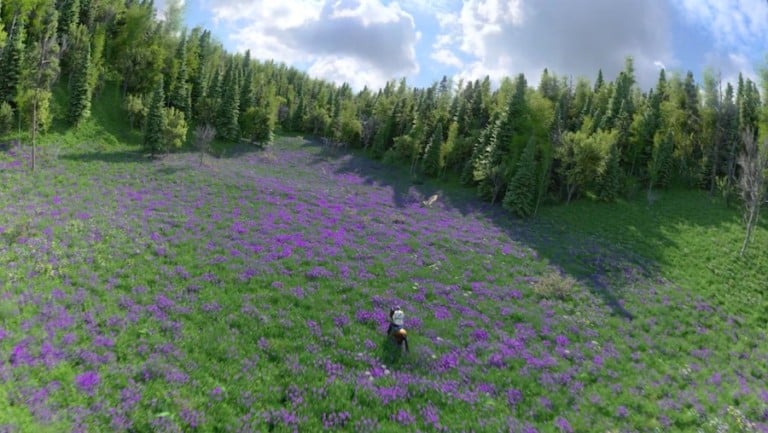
{"points": [[367, 42]]}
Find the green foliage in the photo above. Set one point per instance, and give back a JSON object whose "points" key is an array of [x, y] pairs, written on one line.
{"points": [[3, 35], [662, 163], [180, 96], [348, 128], [174, 129], [68, 18], [610, 180], [35, 103], [258, 125], [431, 164], [6, 118], [521, 192], [454, 150], [154, 128], [11, 65], [583, 157], [80, 94], [137, 111], [229, 109]]}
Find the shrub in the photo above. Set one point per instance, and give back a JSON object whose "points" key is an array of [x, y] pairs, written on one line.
{"points": [[174, 128], [6, 118], [554, 285]]}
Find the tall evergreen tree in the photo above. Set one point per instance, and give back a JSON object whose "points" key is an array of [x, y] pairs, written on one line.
{"points": [[154, 128], [521, 192], [3, 35], [80, 93], [11, 64], [431, 162], [229, 108], [68, 18], [180, 96], [246, 87]]}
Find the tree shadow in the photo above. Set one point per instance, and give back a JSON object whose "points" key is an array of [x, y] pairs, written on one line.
{"points": [[113, 157], [600, 261]]}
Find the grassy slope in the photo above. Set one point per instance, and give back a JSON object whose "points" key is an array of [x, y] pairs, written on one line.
{"points": [[239, 315]]}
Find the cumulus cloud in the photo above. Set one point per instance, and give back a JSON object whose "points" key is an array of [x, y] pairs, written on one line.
{"points": [[734, 24], [729, 65], [574, 37], [363, 42]]}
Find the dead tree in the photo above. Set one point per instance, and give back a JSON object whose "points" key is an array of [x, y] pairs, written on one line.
{"points": [[753, 162], [204, 134]]}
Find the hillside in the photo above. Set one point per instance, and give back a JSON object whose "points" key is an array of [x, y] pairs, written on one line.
{"points": [[251, 293]]}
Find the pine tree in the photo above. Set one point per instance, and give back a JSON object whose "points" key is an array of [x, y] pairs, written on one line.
{"points": [[199, 77], [86, 13], [229, 108], [609, 181], [154, 128], [521, 191], [662, 162], [69, 17], [431, 162], [246, 87], [3, 35], [80, 94], [180, 96], [11, 64]]}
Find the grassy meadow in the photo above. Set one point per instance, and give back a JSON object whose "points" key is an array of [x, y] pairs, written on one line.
{"points": [[250, 294]]}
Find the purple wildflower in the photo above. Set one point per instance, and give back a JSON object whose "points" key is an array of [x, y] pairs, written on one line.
{"points": [[403, 417], [563, 425], [87, 382], [514, 396]]}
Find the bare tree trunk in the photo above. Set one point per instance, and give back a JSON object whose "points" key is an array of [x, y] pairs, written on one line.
{"points": [[753, 162], [750, 225], [34, 129]]}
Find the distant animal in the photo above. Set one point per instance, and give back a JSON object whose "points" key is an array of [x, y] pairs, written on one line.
{"points": [[430, 201], [396, 331]]}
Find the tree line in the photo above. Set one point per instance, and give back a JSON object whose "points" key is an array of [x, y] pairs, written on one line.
{"points": [[518, 145]]}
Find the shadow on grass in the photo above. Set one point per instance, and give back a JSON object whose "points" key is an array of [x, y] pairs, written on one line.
{"points": [[605, 247], [119, 156]]}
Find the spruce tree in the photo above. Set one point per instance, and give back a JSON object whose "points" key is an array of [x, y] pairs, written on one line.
{"points": [[155, 124], [246, 87], [86, 13], [609, 181], [199, 76], [430, 165], [3, 35], [662, 162], [11, 64], [229, 108], [180, 96], [521, 191], [80, 94], [68, 18]]}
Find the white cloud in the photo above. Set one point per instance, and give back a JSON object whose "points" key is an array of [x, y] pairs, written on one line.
{"points": [[446, 57], [575, 37], [733, 24], [357, 41], [730, 65]]}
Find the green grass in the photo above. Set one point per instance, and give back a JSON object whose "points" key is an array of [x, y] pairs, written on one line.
{"points": [[165, 230], [691, 238]]}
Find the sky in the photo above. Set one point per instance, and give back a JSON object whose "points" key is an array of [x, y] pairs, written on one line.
{"points": [[368, 42]]}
